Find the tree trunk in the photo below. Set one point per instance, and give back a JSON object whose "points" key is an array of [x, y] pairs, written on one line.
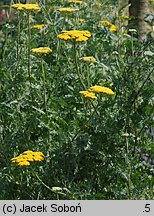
{"points": [[137, 11]]}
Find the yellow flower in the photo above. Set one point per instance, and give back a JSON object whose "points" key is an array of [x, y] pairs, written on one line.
{"points": [[109, 25], [74, 1], [88, 59], [26, 157], [106, 23], [81, 20], [39, 26], [74, 35], [26, 7], [67, 10], [113, 28], [101, 89], [88, 94], [41, 51]]}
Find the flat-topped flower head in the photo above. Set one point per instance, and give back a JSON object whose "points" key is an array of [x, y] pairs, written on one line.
{"points": [[41, 51], [74, 35], [39, 26], [88, 59], [27, 7], [67, 10], [88, 95], [27, 157], [75, 1], [101, 89], [16, 6], [109, 25]]}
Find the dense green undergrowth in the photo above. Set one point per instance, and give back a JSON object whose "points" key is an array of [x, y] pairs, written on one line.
{"points": [[94, 148]]}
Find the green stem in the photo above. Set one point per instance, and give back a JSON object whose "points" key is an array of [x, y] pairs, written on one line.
{"points": [[95, 110], [132, 44], [44, 88], [18, 40], [45, 100], [129, 168], [48, 186], [88, 75], [77, 67], [29, 60], [59, 41]]}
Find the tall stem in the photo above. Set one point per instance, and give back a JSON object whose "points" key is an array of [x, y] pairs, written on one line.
{"points": [[44, 88], [45, 100], [88, 75], [29, 60], [59, 41], [129, 184], [77, 67], [18, 40]]}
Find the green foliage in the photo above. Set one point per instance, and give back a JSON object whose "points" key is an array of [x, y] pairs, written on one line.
{"points": [[94, 149]]}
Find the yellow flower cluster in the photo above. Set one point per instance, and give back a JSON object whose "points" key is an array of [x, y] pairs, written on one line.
{"points": [[74, 1], [89, 59], [74, 35], [67, 10], [27, 157], [109, 25], [39, 26], [41, 51], [88, 94], [101, 89], [81, 20], [26, 7]]}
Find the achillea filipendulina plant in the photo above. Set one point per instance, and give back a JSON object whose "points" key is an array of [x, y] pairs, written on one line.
{"points": [[39, 26], [109, 25], [101, 89], [27, 7], [75, 1], [27, 157], [88, 95], [88, 59], [67, 10], [41, 51], [75, 35]]}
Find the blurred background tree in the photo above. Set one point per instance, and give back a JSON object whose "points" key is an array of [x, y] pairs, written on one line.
{"points": [[137, 11]]}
